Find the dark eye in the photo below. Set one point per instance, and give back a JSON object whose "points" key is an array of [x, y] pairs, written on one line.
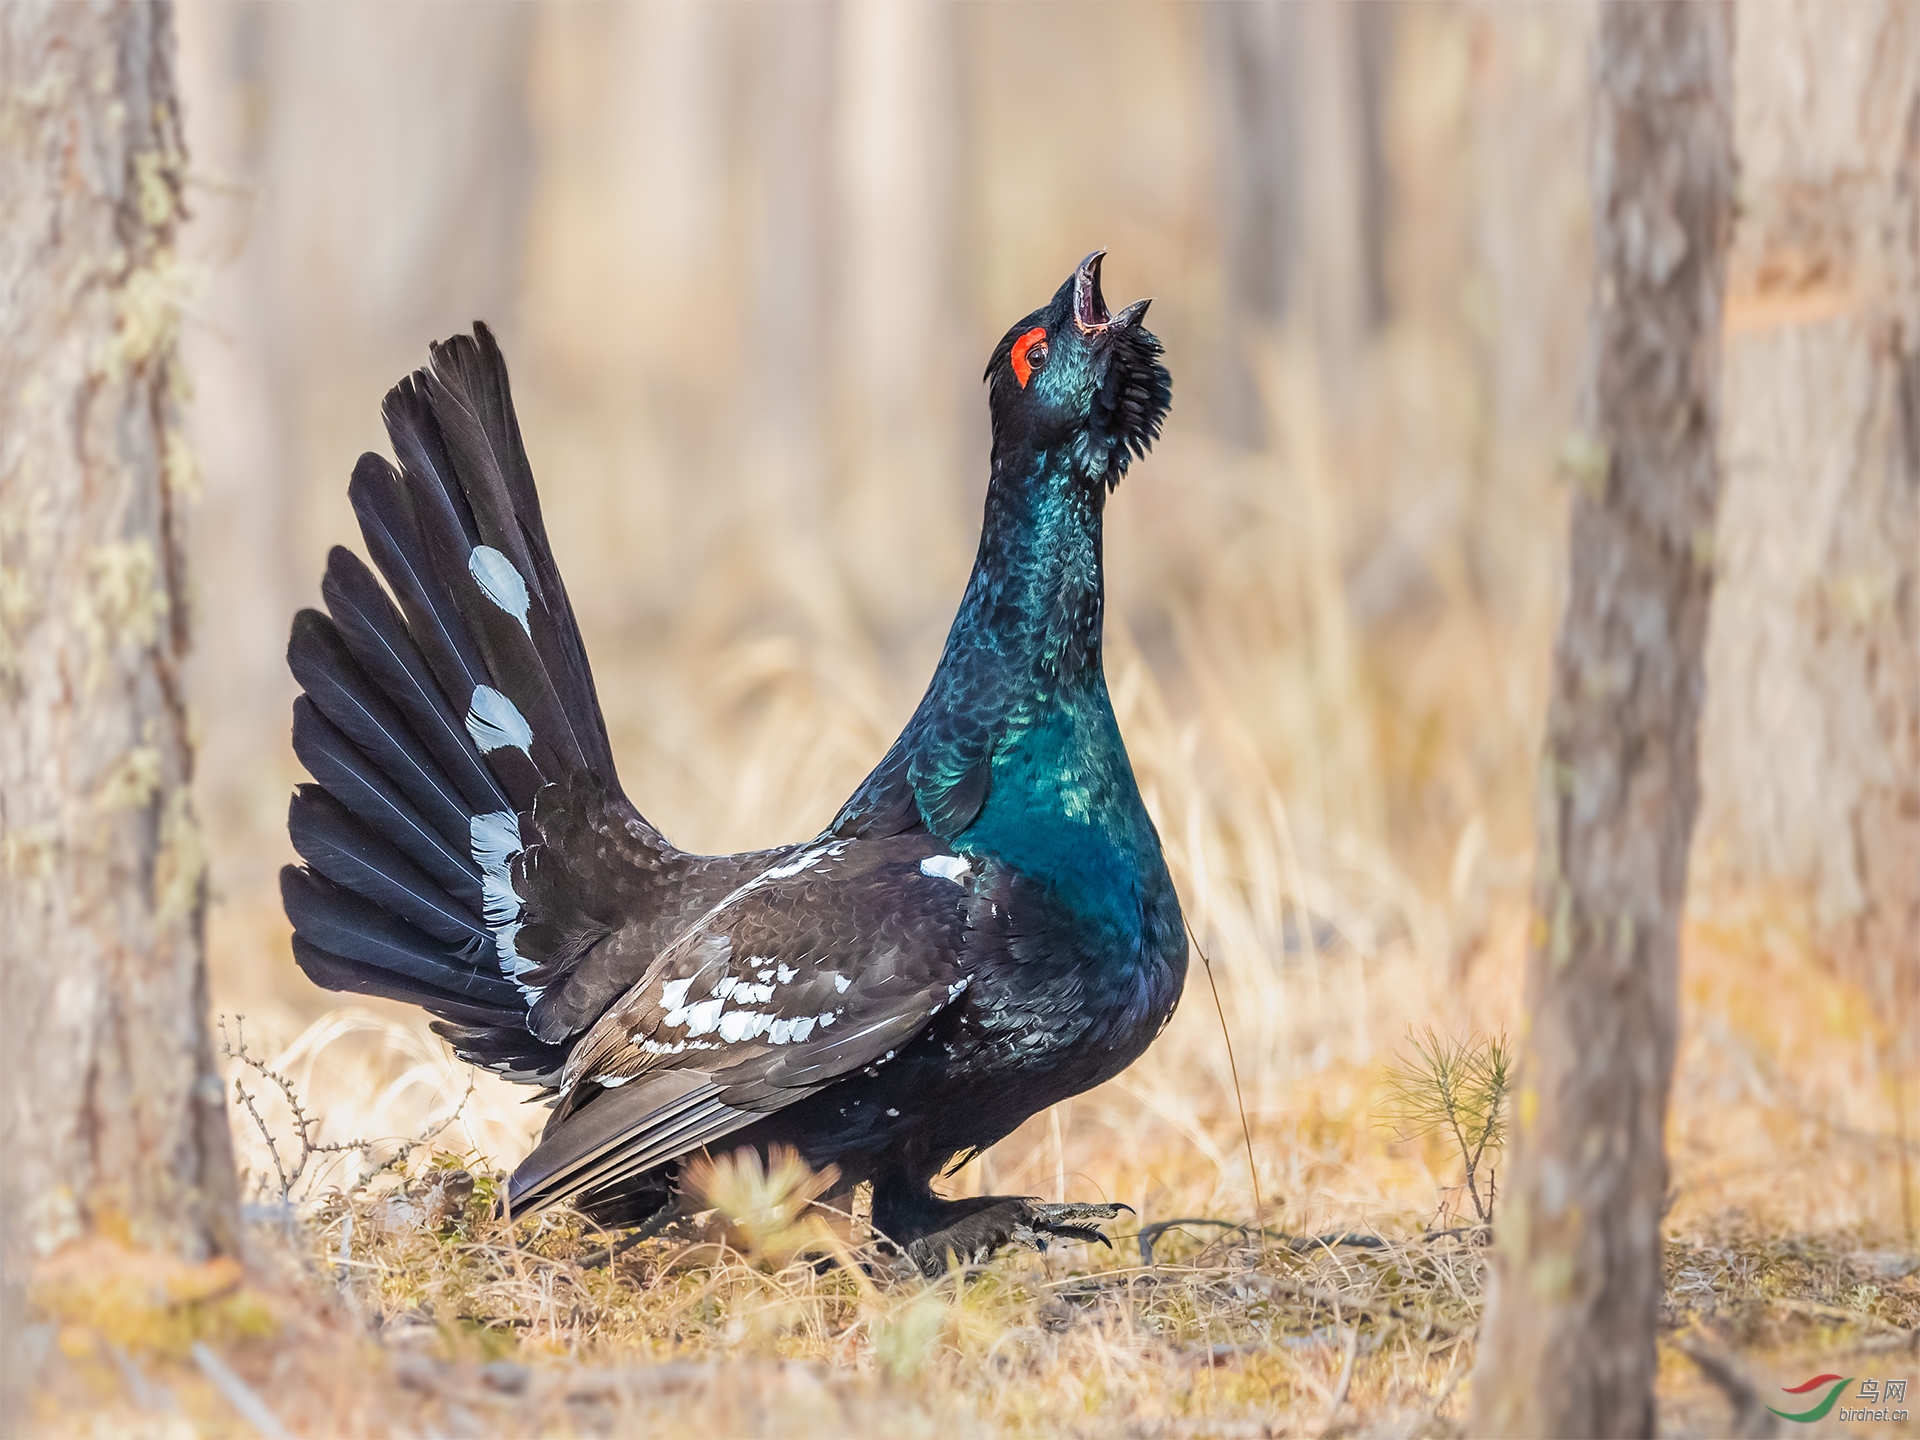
{"points": [[1029, 354]]}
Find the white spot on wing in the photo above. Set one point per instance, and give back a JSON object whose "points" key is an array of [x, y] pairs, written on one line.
{"points": [[698, 1019], [783, 974], [500, 582], [842, 984], [738, 1025], [805, 860], [741, 992], [495, 722], [794, 1031], [946, 867]]}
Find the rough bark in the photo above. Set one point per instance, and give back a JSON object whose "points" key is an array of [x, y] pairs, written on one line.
{"points": [[116, 1121], [1568, 1339], [1811, 755]]}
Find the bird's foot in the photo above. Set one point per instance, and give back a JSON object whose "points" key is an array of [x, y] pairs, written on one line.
{"points": [[1023, 1223]]}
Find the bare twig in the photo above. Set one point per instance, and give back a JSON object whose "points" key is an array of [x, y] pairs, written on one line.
{"points": [[235, 1048]]}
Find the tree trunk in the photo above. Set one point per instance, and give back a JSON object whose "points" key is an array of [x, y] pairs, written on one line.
{"points": [[117, 1123], [1811, 779], [1568, 1339]]}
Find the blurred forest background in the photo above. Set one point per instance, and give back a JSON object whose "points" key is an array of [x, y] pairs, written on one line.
{"points": [[747, 263]]}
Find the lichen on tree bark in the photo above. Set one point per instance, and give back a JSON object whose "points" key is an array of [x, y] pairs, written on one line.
{"points": [[115, 1122]]}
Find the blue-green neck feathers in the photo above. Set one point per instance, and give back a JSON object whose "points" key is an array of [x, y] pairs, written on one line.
{"points": [[1014, 752]]}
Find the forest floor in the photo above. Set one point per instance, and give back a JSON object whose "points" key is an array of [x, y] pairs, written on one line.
{"points": [[380, 1297]]}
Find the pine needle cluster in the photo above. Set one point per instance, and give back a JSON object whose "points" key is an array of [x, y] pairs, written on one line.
{"points": [[1455, 1089]]}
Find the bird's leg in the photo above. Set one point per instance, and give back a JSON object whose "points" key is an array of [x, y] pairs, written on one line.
{"points": [[932, 1229]]}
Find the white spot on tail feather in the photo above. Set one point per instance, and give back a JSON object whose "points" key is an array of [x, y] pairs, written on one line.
{"points": [[494, 840], [495, 722], [500, 583]]}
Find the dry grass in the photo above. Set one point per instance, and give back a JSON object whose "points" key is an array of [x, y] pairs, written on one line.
{"points": [[449, 1321], [388, 1300]]}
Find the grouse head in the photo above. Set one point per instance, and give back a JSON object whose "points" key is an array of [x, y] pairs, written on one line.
{"points": [[1072, 376]]}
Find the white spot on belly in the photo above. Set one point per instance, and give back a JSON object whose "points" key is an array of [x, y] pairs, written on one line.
{"points": [[500, 583], [893, 1112], [946, 867]]}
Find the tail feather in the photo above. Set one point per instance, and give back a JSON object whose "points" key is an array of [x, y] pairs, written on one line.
{"points": [[485, 370], [472, 400], [335, 919], [443, 518], [335, 972], [432, 718], [342, 692], [340, 846], [392, 532], [506, 609], [356, 782], [376, 636]]}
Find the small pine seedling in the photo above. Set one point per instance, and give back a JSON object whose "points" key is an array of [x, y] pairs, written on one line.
{"points": [[1455, 1088]]}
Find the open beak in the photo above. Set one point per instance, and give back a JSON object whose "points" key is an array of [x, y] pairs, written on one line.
{"points": [[1090, 307]]}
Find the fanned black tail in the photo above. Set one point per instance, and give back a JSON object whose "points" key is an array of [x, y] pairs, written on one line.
{"points": [[429, 725]]}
